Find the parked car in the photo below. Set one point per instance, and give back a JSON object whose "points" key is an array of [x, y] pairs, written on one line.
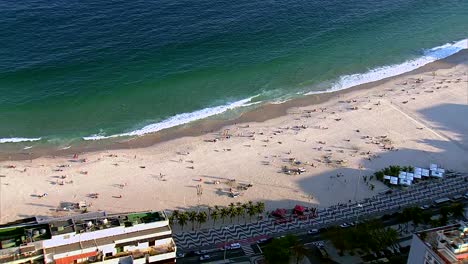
{"points": [[180, 254], [264, 240], [424, 207], [233, 246], [457, 197], [318, 244], [313, 231], [344, 225], [205, 257], [201, 252]]}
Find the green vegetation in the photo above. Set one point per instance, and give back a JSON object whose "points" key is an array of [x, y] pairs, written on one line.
{"points": [[233, 211], [280, 250], [15, 236], [418, 216], [368, 236], [392, 171], [414, 214], [148, 217], [454, 210]]}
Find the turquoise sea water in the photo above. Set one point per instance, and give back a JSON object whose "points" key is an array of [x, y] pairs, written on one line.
{"points": [[75, 70]]}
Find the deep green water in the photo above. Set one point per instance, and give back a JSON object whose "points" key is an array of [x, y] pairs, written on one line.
{"points": [[74, 69]]}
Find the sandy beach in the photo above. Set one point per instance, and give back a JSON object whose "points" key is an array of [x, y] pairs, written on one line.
{"points": [[413, 119]]}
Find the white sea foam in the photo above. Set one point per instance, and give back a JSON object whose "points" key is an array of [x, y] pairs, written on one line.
{"points": [[16, 140], [380, 73], [343, 82], [179, 119]]}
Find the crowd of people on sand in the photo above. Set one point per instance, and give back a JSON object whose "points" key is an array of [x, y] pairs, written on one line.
{"points": [[329, 152]]}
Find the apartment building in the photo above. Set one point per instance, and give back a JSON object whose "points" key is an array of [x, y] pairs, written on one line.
{"points": [[143, 237]]}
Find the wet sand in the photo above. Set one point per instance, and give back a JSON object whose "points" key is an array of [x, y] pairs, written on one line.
{"points": [[337, 138]]}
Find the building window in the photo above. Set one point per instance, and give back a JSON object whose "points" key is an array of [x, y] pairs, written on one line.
{"points": [[109, 254], [151, 243]]}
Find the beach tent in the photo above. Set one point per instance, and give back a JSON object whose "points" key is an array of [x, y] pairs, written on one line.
{"points": [[425, 173], [436, 173], [279, 213], [394, 180], [299, 210], [386, 177], [433, 167], [409, 176], [405, 182], [417, 175]]}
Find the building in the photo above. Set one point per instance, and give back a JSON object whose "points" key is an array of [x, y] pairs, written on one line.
{"points": [[443, 245], [144, 237]]}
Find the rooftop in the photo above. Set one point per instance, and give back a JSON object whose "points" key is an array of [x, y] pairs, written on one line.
{"points": [[107, 240], [16, 236], [151, 251], [449, 242], [81, 225]]}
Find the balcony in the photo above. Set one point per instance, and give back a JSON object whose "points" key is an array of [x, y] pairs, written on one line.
{"points": [[152, 253], [21, 257]]}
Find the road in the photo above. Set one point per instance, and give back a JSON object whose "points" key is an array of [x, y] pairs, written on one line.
{"points": [[303, 238], [216, 255], [418, 194]]}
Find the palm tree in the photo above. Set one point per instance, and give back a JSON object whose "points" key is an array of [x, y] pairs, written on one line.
{"points": [[214, 216], [209, 210], [175, 213], [201, 218], [232, 212], [245, 206], [239, 212], [457, 209], [173, 216], [192, 217], [260, 207], [417, 216], [231, 206], [182, 219], [338, 237], [391, 237], [299, 251], [251, 211], [406, 217], [444, 212], [171, 219], [224, 213]]}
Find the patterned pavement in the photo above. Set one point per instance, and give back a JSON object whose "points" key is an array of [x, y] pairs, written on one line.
{"points": [[424, 192]]}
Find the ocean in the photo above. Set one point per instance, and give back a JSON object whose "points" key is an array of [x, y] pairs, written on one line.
{"points": [[74, 71]]}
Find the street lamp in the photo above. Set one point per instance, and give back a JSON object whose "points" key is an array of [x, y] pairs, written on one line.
{"points": [[357, 215]]}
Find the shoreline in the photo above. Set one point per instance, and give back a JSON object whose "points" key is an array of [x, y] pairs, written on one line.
{"points": [[336, 145], [204, 126]]}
